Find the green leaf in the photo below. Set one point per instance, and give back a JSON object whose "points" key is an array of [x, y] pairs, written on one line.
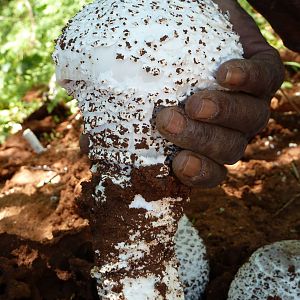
{"points": [[293, 64], [286, 85]]}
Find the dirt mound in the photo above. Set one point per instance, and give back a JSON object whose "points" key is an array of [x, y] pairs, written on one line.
{"points": [[45, 246]]}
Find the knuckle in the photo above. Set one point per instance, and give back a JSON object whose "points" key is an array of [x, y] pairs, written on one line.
{"points": [[235, 150], [265, 114], [260, 80], [193, 137], [262, 118], [186, 138], [203, 135]]}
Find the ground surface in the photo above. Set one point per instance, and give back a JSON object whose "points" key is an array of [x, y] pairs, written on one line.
{"points": [[45, 248]]}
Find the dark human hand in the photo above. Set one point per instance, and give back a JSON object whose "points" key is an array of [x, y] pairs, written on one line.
{"points": [[215, 126]]}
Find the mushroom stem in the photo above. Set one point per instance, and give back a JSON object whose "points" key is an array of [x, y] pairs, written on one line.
{"points": [[133, 232]]}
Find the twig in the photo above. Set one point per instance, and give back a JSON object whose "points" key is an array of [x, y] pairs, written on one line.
{"points": [[62, 149], [32, 22], [295, 171], [38, 187], [286, 205], [74, 116]]}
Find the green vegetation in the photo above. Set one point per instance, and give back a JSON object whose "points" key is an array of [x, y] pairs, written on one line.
{"points": [[27, 32], [263, 25]]}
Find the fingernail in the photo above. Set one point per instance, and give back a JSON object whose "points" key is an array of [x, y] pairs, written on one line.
{"points": [[173, 122], [206, 109], [191, 166], [235, 76]]}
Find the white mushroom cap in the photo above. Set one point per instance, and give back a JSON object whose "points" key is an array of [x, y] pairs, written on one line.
{"points": [[122, 59], [147, 45], [193, 264], [272, 272]]}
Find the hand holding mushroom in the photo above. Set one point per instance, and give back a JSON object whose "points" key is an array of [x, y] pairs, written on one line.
{"points": [[215, 126]]}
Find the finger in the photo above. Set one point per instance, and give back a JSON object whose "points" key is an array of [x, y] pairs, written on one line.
{"points": [[193, 169], [223, 145], [261, 75], [238, 111]]}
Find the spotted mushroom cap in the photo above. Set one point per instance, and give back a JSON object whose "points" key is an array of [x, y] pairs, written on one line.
{"points": [[193, 264], [122, 59], [170, 46], [272, 273]]}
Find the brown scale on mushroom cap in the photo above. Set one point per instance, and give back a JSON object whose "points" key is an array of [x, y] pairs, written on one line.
{"points": [[272, 272]]}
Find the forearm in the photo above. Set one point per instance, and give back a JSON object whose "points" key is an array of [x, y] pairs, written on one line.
{"points": [[284, 16], [250, 37]]}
